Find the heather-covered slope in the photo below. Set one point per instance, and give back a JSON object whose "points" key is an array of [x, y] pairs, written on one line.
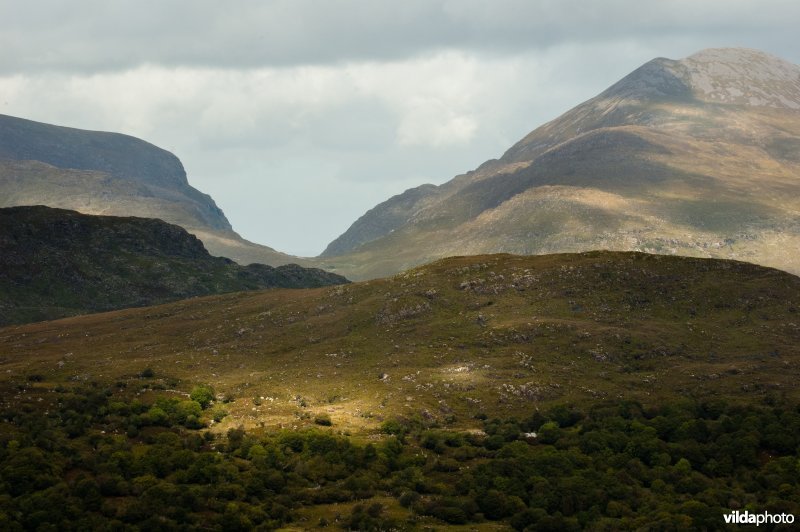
{"points": [[599, 391], [499, 335]]}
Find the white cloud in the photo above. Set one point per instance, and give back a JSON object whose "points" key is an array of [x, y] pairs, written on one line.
{"points": [[434, 124]]}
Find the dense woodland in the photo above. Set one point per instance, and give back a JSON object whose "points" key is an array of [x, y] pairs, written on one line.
{"points": [[99, 460]]}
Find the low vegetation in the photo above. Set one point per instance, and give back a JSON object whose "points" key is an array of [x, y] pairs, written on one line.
{"points": [[98, 459]]}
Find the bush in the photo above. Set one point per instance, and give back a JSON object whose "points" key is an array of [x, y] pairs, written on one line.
{"points": [[394, 426], [203, 394], [407, 498], [323, 419], [218, 413]]}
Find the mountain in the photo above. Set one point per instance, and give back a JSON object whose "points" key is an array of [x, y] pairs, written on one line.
{"points": [[95, 172], [696, 157], [56, 263]]}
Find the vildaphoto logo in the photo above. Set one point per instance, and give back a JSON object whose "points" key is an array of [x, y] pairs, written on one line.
{"points": [[764, 518]]}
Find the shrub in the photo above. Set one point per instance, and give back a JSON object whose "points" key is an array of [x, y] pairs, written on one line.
{"points": [[218, 413], [407, 498], [323, 419], [203, 394], [393, 426]]}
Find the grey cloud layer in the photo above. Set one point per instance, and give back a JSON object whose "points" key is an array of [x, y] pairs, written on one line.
{"points": [[97, 35]]}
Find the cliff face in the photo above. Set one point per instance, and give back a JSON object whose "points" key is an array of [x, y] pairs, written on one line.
{"points": [[99, 172], [111, 153]]}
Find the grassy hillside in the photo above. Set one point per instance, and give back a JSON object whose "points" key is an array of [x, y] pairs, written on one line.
{"points": [[493, 334], [603, 391], [56, 263]]}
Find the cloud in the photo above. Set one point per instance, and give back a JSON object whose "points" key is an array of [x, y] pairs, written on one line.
{"points": [[98, 35]]}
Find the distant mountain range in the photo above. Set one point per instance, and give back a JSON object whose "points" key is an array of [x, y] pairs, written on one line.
{"points": [[56, 263], [95, 172], [697, 157]]}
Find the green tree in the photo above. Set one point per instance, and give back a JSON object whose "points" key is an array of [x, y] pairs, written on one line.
{"points": [[203, 394]]}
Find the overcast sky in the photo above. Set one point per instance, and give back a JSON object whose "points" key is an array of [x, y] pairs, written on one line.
{"points": [[297, 116]]}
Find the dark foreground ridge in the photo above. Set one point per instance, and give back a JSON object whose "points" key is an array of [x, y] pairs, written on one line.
{"points": [[56, 263]]}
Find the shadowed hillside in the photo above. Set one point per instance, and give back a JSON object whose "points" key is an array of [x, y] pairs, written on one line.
{"points": [[56, 263]]}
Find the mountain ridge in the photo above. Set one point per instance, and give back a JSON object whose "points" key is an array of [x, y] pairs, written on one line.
{"points": [[98, 172], [662, 159]]}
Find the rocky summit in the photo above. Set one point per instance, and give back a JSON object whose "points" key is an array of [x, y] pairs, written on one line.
{"points": [[696, 157]]}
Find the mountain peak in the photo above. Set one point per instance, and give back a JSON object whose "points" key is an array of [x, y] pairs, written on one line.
{"points": [[698, 156], [658, 78], [742, 76], [736, 76]]}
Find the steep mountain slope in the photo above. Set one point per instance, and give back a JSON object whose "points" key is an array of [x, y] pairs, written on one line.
{"points": [[56, 263], [96, 172], [500, 335], [697, 157]]}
